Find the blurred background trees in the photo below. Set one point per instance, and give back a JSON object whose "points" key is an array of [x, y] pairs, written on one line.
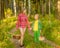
{"points": [[43, 7]]}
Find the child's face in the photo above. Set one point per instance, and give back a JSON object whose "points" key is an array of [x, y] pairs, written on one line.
{"points": [[36, 16], [24, 11]]}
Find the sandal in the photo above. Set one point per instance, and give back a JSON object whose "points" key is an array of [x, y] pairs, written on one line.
{"points": [[22, 45]]}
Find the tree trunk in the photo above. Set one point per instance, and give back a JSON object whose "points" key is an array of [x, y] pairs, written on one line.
{"points": [[14, 2], [42, 8], [49, 7], [58, 8], [29, 7], [36, 5], [24, 3], [2, 9]]}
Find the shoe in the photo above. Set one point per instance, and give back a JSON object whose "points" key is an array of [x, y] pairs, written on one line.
{"points": [[22, 45], [41, 38]]}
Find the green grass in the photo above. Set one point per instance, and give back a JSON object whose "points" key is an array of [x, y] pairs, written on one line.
{"points": [[50, 31]]}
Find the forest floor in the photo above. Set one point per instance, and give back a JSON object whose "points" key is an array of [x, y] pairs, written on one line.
{"points": [[52, 38], [16, 41]]}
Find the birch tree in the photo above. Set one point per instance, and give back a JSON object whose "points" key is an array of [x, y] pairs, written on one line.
{"points": [[29, 7], [14, 7], [24, 3]]}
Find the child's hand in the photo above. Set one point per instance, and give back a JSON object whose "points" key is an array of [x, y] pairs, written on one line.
{"points": [[40, 31], [30, 28], [30, 22], [28, 15], [41, 38]]}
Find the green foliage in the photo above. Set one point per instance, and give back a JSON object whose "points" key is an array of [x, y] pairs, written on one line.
{"points": [[51, 27], [6, 26], [51, 30]]}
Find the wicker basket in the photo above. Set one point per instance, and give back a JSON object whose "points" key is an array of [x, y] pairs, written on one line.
{"points": [[16, 37]]}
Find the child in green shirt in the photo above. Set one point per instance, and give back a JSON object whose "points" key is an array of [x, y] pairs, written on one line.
{"points": [[36, 26]]}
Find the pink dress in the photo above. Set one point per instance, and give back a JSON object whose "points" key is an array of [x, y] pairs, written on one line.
{"points": [[22, 21]]}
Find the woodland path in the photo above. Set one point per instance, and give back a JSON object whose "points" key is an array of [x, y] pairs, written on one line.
{"points": [[16, 43]]}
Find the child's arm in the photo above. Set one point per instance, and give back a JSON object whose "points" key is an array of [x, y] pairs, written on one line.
{"points": [[40, 32], [28, 23], [31, 22], [40, 25]]}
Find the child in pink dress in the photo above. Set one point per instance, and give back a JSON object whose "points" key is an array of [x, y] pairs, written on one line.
{"points": [[22, 23]]}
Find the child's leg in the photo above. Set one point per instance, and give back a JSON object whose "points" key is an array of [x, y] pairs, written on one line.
{"points": [[22, 30], [36, 36]]}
